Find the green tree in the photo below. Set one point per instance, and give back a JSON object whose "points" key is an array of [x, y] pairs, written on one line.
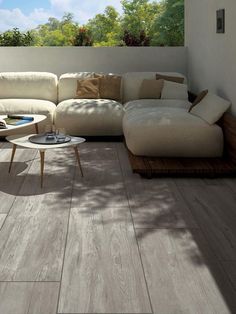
{"points": [[105, 28], [16, 38], [82, 37], [139, 16], [56, 32], [169, 25]]}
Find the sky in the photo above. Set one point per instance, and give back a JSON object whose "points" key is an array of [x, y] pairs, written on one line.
{"points": [[28, 14]]}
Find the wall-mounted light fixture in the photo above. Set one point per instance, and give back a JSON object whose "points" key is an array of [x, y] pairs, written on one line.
{"points": [[220, 21]]}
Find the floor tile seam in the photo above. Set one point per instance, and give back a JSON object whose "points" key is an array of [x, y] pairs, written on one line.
{"points": [[29, 281], [66, 239], [136, 239], [104, 313], [5, 214], [167, 228]]}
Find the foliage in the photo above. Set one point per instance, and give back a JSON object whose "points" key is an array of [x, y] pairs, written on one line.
{"points": [[56, 33], [139, 16], [82, 38], [143, 23], [169, 26], [16, 38], [105, 28], [132, 40]]}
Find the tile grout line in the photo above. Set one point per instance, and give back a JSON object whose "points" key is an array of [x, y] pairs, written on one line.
{"points": [[29, 281], [135, 235], [68, 224]]}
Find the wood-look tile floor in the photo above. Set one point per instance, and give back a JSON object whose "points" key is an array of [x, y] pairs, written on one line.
{"points": [[112, 242]]}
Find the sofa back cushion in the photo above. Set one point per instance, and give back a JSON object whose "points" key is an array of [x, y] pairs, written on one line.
{"points": [[28, 85], [132, 82], [67, 85]]}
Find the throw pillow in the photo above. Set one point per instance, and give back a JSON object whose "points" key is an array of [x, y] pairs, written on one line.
{"points": [[172, 90], [198, 99], [175, 79], [110, 86], [211, 108], [88, 88], [151, 89]]}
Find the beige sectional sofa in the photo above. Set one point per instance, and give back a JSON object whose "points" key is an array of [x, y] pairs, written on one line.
{"points": [[151, 127]]}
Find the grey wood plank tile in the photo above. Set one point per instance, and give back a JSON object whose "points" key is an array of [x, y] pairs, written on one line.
{"points": [[28, 298], [230, 269], [214, 209], [182, 275], [158, 207], [33, 239], [154, 203], [59, 169], [2, 219], [189, 181], [102, 270], [101, 186], [98, 151], [10, 184], [214, 181], [231, 183]]}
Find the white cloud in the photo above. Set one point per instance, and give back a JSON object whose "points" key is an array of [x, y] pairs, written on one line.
{"points": [[15, 18], [81, 9]]}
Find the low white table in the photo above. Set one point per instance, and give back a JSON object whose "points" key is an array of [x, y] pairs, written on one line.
{"points": [[23, 141], [37, 118]]}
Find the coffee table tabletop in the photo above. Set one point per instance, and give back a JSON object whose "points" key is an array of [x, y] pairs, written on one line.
{"points": [[37, 118], [23, 141]]}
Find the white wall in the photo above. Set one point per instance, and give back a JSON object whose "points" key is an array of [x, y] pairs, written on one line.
{"points": [[107, 59], [211, 56]]}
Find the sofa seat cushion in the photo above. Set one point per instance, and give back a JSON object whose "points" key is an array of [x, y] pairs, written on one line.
{"points": [[154, 103], [91, 117], [165, 132], [28, 106]]}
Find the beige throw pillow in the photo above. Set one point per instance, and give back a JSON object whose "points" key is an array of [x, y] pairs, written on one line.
{"points": [[211, 108], [110, 86], [175, 79], [151, 89], [88, 88], [172, 90], [198, 99]]}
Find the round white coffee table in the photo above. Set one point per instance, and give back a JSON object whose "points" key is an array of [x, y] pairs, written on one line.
{"points": [[37, 118], [23, 141]]}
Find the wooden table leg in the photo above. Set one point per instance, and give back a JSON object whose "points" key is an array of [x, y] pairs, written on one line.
{"points": [[78, 159], [37, 128], [12, 157], [42, 154]]}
